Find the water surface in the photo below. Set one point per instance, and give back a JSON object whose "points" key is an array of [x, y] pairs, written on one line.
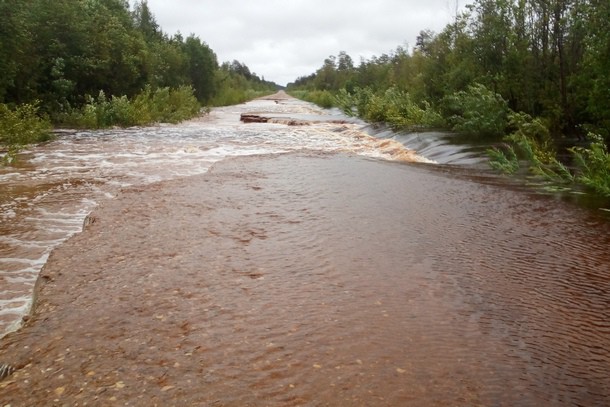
{"points": [[323, 269], [45, 198]]}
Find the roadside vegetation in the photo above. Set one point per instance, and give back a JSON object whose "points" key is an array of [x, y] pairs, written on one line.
{"points": [[103, 63], [19, 126], [529, 77]]}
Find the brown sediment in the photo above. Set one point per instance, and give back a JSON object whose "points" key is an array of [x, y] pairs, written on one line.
{"points": [[313, 279]]}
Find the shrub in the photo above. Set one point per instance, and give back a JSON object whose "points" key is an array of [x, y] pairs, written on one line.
{"points": [[394, 107], [149, 106], [164, 105], [403, 113], [322, 98], [232, 96], [477, 112], [346, 102], [182, 105], [21, 126], [530, 141], [593, 165], [503, 159]]}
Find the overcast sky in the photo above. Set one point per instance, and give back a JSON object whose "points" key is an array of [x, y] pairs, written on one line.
{"points": [[282, 40]]}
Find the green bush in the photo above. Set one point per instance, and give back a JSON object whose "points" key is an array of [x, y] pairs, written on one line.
{"points": [[161, 105], [477, 112], [322, 98], [394, 107], [531, 136], [531, 142], [401, 112], [593, 165], [23, 125], [232, 96], [346, 102]]}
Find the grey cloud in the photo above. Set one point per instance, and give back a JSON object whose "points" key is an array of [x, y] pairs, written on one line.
{"points": [[282, 40]]}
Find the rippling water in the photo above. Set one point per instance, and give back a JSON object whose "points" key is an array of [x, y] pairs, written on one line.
{"points": [[45, 199], [323, 281]]}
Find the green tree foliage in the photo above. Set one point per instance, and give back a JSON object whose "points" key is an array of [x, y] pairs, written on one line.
{"points": [[235, 84], [547, 58], [477, 112], [78, 56], [592, 83], [202, 64]]}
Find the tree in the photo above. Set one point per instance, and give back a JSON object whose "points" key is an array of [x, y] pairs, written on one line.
{"points": [[202, 65], [15, 39], [145, 22]]}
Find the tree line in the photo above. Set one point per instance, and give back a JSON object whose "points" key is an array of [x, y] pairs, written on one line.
{"points": [[69, 58], [535, 70]]}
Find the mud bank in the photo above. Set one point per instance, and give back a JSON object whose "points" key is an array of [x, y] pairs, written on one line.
{"points": [[308, 279]]}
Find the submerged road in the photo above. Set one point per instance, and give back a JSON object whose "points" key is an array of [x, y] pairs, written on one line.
{"points": [[319, 277]]}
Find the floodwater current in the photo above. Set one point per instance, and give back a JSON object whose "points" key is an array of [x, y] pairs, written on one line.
{"points": [[362, 279], [46, 196]]}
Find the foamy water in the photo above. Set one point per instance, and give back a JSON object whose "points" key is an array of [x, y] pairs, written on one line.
{"points": [[47, 195]]}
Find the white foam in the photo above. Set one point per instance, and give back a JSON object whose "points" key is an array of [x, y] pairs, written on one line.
{"points": [[28, 278]]}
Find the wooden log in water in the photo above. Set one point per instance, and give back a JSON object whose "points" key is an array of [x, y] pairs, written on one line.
{"points": [[253, 118]]}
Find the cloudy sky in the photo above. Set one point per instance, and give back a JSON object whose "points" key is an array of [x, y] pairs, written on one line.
{"points": [[282, 40]]}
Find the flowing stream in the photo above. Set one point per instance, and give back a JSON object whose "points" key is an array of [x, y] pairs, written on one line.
{"points": [[441, 276]]}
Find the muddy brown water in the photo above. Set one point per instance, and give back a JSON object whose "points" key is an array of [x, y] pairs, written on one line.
{"points": [[45, 197], [317, 278]]}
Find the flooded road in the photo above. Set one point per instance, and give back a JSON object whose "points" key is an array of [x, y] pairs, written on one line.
{"points": [[319, 276], [45, 198]]}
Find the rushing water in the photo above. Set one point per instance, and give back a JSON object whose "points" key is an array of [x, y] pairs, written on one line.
{"points": [[45, 199], [341, 280]]}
